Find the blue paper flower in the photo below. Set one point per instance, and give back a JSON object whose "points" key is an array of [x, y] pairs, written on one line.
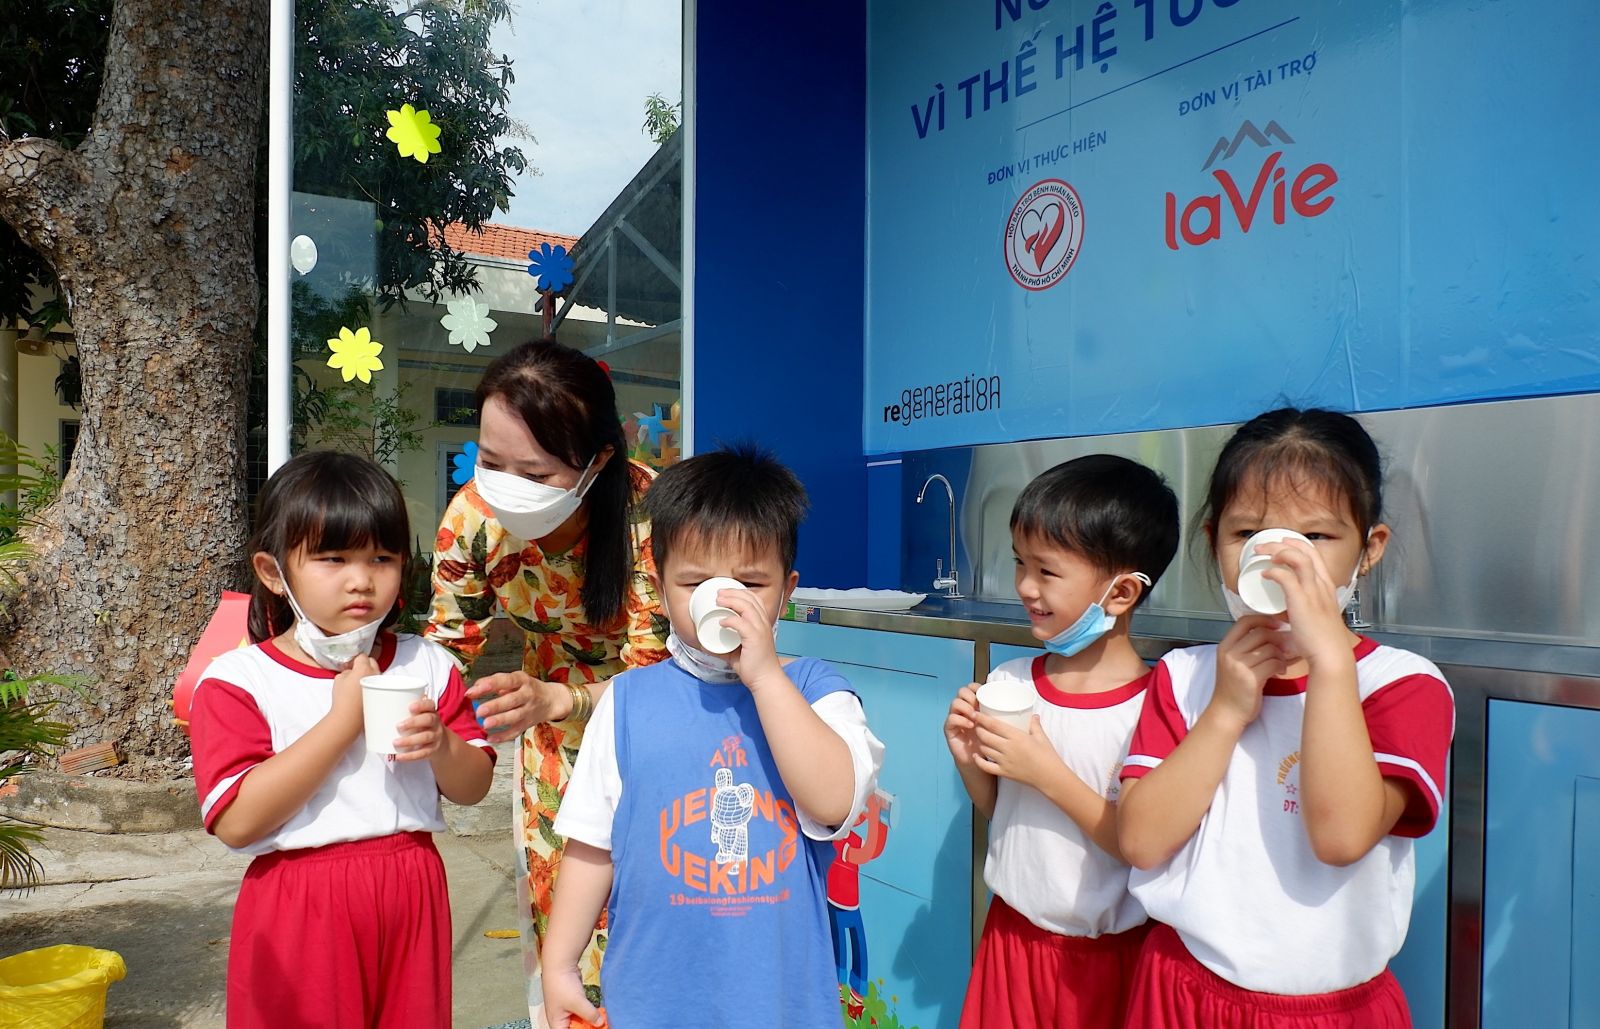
{"points": [[653, 424], [466, 464], [551, 266]]}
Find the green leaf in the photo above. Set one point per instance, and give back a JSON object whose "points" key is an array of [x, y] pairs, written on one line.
{"points": [[595, 656], [549, 796], [480, 545], [547, 830], [529, 625], [475, 607], [19, 869]]}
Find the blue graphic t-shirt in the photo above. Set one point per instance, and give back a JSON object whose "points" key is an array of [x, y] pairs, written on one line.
{"points": [[717, 912]]}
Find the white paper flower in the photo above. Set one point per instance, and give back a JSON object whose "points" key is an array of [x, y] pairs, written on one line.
{"points": [[468, 323]]}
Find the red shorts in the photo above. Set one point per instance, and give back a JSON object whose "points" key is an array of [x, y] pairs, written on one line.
{"points": [[1172, 990], [351, 935], [1025, 977]]}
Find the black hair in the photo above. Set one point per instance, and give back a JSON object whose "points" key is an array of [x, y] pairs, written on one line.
{"points": [[742, 495], [322, 500], [1312, 445], [1115, 513], [569, 404]]}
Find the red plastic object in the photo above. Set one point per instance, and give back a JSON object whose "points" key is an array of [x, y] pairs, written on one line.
{"points": [[227, 630]]}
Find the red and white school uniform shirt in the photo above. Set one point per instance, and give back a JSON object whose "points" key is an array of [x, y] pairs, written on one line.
{"points": [[254, 702], [1246, 894], [1040, 862]]}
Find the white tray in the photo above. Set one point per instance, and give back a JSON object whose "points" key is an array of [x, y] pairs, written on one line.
{"points": [[858, 599]]}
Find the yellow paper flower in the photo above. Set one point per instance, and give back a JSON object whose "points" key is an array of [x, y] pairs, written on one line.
{"points": [[413, 132], [355, 354]]}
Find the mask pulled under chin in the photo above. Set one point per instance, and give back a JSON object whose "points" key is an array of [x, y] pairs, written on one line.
{"points": [[700, 664], [335, 653]]}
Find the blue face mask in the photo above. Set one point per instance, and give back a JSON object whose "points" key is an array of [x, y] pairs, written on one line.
{"points": [[1090, 626]]}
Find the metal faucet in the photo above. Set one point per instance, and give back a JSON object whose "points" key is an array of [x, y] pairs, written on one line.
{"points": [[949, 583]]}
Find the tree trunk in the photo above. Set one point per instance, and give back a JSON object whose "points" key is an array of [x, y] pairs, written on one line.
{"points": [[150, 227]]}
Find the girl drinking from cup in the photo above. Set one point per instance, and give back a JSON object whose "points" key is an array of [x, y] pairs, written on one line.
{"points": [[343, 917], [1276, 780]]}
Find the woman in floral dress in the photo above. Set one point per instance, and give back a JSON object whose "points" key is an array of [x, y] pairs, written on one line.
{"points": [[550, 532]]}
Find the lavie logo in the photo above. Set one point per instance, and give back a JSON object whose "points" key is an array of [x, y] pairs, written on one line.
{"points": [[1240, 201]]}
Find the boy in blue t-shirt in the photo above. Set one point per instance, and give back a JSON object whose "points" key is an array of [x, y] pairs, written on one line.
{"points": [[707, 789]]}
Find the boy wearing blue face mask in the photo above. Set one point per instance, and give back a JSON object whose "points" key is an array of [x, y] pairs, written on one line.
{"points": [[1091, 537]]}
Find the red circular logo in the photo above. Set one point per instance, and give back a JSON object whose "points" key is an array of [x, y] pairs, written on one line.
{"points": [[1043, 234]]}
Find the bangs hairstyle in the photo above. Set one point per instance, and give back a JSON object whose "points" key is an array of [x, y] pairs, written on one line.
{"points": [[323, 501], [1115, 513], [740, 495], [567, 401], [1295, 448]]}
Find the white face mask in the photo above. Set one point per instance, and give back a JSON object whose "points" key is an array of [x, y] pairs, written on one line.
{"points": [[1342, 596], [526, 509], [703, 666], [335, 653]]}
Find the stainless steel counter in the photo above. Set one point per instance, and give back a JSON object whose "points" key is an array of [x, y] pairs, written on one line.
{"points": [[986, 621]]}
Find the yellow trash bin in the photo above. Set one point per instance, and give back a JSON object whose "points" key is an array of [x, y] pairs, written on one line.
{"points": [[57, 987]]}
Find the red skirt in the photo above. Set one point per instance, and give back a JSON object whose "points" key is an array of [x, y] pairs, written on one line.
{"points": [[1172, 990], [351, 935], [1025, 977]]}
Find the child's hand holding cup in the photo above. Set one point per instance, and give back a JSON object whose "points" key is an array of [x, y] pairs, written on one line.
{"points": [[386, 702], [707, 615]]}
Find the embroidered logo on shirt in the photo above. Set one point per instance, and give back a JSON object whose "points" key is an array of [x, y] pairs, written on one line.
{"points": [[1289, 779]]}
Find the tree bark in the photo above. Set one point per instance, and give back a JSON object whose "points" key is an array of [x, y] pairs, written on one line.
{"points": [[149, 225]]}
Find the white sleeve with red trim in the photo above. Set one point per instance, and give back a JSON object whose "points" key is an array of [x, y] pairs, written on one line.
{"points": [[229, 737], [1161, 726], [455, 711], [1411, 722]]}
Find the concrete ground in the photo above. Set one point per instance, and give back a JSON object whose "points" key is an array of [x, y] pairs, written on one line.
{"points": [[164, 901]]}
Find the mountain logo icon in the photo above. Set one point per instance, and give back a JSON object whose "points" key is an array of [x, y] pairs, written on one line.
{"points": [[1226, 147]]}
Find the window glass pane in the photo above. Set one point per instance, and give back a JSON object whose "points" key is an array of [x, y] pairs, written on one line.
{"points": [[557, 136]]}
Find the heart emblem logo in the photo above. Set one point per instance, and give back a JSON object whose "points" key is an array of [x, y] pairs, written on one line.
{"points": [[1044, 234], [1041, 229]]}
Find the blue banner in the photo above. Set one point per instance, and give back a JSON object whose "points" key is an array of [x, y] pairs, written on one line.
{"points": [[1087, 219]]}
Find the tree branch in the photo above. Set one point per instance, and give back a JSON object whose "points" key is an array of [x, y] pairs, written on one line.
{"points": [[38, 193]]}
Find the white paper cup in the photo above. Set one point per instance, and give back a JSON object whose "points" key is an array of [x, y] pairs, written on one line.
{"points": [[1008, 700], [385, 703], [707, 616], [1262, 595]]}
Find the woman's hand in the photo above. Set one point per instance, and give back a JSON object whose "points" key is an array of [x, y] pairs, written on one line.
{"points": [[422, 734], [510, 703], [961, 727], [1251, 653], [1316, 625], [1021, 755]]}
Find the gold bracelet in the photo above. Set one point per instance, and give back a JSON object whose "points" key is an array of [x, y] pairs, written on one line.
{"points": [[582, 703]]}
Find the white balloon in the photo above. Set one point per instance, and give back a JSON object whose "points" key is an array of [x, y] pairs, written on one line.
{"points": [[303, 254]]}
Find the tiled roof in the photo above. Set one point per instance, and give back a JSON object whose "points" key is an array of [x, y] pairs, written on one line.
{"points": [[503, 241]]}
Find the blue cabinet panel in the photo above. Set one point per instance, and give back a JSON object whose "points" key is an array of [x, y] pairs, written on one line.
{"points": [[916, 896], [1541, 926], [1420, 965]]}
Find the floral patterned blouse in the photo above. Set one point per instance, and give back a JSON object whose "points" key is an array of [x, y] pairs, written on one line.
{"points": [[480, 568]]}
